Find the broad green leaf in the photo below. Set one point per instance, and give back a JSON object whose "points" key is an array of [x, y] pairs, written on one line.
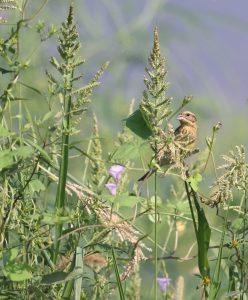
{"points": [[132, 150], [194, 181], [17, 271], [127, 151], [13, 268], [23, 151], [129, 201], [124, 200], [10, 255], [6, 158], [137, 125], [36, 186]]}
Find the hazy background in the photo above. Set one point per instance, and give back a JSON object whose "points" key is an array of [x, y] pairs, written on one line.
{"points": [[205, 43]]}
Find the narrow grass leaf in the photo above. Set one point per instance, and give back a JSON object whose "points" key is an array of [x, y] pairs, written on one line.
{"points": [[78, 267], [58, 277], [203, 237], [215, 283], [42, 152], [118, 279]]}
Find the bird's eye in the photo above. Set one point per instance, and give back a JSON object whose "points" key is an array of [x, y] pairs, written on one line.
{"points": [[188, 115]]}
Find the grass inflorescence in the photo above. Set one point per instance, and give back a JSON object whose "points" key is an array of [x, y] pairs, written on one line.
{"points": [[74, 223]]}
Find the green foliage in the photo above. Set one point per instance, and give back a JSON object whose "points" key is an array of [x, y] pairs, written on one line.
{"points": [[137, 124], [118, 279], [14, 270], [155, 105], [64, 233], [194, 181]]}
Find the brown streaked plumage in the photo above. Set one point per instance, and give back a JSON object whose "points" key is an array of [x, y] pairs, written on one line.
{"points": [[185, 134]]}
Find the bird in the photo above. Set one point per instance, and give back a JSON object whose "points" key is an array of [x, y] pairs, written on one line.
{"points": [[185, 134]]}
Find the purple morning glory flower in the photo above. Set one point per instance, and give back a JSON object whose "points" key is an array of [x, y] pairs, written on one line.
{"points": [[163, 283], [116, 172], [112, 188]]}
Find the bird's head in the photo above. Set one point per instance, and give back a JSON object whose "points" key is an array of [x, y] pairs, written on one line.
{"points": [[187, 118]]}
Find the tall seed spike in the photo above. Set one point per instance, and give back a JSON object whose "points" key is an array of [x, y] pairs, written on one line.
{"points": [[156, 41], [71, 13]]}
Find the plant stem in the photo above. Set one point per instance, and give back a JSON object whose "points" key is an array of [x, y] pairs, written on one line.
{"points": [[243, 267], [191, 207], [155, 239]]}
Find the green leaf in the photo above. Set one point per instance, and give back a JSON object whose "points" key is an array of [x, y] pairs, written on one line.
{"points": [[59, 277], [10, 255], [180, 206], [30, 87], [238, 225], [203, 237], [6, 158], [48, 116], [4, 132], [215, 280], [17, 271], [79, 266], [124, 200], [14, 269], [53, 218], [36, 186], [23, 151], [134, 149], [137, 125], [40, 150], [127, 151], [194, 181], [117, 275]]}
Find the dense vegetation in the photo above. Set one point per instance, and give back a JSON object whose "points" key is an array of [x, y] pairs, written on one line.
{"points": [[98, 235]]}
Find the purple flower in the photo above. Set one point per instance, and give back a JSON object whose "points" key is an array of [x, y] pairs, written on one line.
{"points": [[116, 171], [112, 187], [163, 283]]}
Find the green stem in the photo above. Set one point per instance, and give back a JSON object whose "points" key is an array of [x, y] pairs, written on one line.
{"points": [[63, 170], [191, 208], [215, 282], [243, 267], [155, 238]]}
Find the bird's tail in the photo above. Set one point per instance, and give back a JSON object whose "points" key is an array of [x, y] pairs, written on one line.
{"points": [[148, 174]]}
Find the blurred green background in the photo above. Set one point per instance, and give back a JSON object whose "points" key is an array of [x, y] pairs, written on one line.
{"points": [[205, 43]]}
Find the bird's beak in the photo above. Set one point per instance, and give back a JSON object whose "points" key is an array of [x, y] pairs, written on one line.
{"points": [[180, 117]]}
